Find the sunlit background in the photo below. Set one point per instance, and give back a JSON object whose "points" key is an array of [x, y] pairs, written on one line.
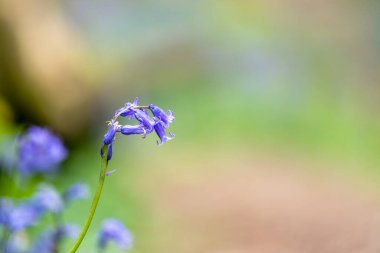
{"points": [[277, 145]]}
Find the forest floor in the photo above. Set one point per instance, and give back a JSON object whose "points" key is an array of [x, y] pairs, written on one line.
{"points": [[237, 203]]}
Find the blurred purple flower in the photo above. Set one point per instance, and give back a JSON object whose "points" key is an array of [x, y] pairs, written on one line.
{"points": [[6, 207], [47, 199], [45, 242], [48, 241], [28, 212], [68, 230], [18, 217], [22, 216], [114, 230], [39, 150], [76, 191]]}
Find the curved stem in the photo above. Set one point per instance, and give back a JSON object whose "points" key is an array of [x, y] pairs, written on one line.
{"points": [[94, 201]]}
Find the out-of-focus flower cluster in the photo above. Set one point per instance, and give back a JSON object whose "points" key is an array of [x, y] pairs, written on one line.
{"points": [[41, 152], [159, 122], [17, 216], [114, 230]]}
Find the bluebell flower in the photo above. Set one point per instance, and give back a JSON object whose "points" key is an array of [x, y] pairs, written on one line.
{"points": [[76, 191], [39, 150], [47, 199], [128, 130], [144, 119], [109, 137], [114, 230], [127, 110], [147, 124], [166, 118], [160, 131]]}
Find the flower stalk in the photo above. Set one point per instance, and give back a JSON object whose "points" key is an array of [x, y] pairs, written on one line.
{"points": [[159, 121], [95, 200]]}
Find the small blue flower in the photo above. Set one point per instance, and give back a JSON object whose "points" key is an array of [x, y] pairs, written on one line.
{"points": [[166, 118], [110, 135], [128, 130], [144, 119], [160, 131], [40, 151], [47, 199], [76, 191], [22, 216], [114, 230], [128, 109]]}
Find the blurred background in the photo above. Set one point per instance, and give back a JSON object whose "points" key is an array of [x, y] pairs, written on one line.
{"points": [[277, 127]]}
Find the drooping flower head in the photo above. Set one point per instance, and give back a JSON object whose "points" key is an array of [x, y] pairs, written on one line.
{"points": [[158, 122], [113, 230], [39, 151]]}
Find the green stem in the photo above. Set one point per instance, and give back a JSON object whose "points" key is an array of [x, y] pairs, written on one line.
{"points": [[94, 201]]}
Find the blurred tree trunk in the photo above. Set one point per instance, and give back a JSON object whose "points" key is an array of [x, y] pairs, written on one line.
{"points": [[41, 67]]}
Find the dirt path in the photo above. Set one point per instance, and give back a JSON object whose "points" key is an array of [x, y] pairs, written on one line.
{"points": [[239, 204]]}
